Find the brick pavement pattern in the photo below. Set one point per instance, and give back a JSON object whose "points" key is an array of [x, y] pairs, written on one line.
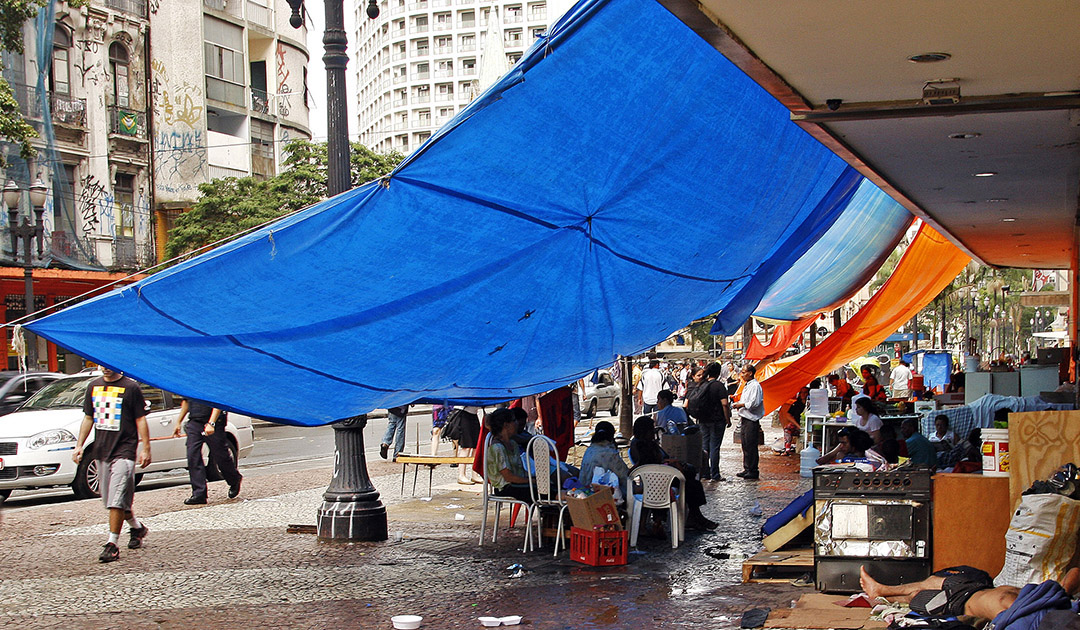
{"points": [[231, 564]]}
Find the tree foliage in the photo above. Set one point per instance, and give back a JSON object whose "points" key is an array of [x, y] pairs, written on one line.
{"points": [[232, 205]]}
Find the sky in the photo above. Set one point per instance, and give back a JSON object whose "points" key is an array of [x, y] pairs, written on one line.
{"points": [[317, 71]]}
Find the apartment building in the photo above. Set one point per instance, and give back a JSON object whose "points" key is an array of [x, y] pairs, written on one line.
{"points": [[229, 89], [417, 64]]}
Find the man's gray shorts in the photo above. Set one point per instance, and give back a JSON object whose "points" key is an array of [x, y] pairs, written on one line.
{"points": [[117, 482]]}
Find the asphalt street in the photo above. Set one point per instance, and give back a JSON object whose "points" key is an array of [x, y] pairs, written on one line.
{"points": [[280, 448]]}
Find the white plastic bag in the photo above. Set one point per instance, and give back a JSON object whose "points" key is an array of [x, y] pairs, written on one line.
{"points": [[604, 477], [1041, 540]]}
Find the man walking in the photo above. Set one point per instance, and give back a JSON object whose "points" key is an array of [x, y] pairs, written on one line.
{"points": [[206, 425], [652, 381], [395, 431], [114, 407], [751, 407], [901, 380]]}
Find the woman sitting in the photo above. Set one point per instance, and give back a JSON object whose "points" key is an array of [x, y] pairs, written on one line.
{"points": [[603, 454], [854, 446], [867, 419], [502, 461], [872, 388], [644, 450]]}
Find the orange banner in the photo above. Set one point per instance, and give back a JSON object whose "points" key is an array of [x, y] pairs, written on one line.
{"points": [[928, 266], [781, 340]]}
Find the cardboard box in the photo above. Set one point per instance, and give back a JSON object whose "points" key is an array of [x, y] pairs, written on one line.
{"points": [[594, 511], [685, 448]]}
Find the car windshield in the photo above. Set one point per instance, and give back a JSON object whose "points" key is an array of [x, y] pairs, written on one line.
{"points": [[63, 394]]}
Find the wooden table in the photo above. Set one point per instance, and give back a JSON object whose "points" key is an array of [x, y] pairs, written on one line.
{"points": [[431, 461]]}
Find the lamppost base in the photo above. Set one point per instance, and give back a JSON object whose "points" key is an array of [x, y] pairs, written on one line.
{"points": [[352, 520]]}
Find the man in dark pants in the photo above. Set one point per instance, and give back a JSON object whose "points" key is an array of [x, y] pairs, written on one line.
{"points": [[206, 424], [751, 408]]}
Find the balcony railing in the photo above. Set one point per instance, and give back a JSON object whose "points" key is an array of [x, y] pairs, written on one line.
{"points": [[260, 101], [66, 110], [260, 15], [467, 47], [126, 122], [234, 8], [132, 7]]}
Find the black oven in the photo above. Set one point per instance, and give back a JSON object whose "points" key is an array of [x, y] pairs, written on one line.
{"points": [[880, 520]]}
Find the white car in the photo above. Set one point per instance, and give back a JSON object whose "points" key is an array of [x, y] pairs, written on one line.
{"points": [[603, 394], [37, 440]]}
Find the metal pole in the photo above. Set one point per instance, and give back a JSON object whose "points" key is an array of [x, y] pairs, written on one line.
{"points": [[335, 59]]}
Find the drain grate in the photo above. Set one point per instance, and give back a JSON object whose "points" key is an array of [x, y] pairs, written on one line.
{"points": [[431, 545]]}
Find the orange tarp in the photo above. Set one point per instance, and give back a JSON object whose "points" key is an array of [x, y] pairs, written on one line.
{"points": [[928, 265], [782, 336]]}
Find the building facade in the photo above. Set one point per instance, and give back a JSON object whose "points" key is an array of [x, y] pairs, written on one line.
{"points": [[417, 64], [137, 102], [225, 102]]}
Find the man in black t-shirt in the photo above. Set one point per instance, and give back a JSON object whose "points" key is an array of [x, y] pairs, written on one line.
{"points": [[206, 425], [114, 407], [718, 420]]}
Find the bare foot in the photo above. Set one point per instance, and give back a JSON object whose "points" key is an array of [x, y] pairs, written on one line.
{"points": [[1071, 583], [869, 585]]}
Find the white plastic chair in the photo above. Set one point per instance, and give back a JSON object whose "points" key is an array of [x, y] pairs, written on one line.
{"points": [[656, 494], [490, 497], [541, 449]]}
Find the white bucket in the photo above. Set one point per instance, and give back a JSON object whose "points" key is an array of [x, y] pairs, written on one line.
{"points": [[995, 452], [971, 364]]}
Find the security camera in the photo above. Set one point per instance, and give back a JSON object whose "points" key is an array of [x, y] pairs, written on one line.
{"points": [[833, 104]]}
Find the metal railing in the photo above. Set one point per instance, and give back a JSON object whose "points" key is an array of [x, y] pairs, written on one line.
{"points": [[127, 122], [133, 7], [221, 172], [66, 110], [260, 15], [260, 101]]}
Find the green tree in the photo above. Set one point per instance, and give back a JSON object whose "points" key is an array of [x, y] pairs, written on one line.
{"points": [[232, 205]]}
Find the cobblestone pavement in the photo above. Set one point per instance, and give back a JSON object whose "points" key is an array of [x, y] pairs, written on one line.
{"points": [[231, 564]]}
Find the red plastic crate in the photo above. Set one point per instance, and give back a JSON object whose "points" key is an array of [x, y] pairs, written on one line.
{"points": [[598, 548]]}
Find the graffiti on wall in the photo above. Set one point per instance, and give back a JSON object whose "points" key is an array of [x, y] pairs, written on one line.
{"points": [[283, 89], [92, 195], [180, 144]]}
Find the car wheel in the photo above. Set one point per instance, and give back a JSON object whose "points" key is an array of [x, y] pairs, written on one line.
{"points": [[614, 411], [87, 483], [4, 494], [212, 472]]}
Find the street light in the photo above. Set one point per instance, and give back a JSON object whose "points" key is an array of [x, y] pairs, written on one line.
{"points": [[351, 509], [29, 233]]}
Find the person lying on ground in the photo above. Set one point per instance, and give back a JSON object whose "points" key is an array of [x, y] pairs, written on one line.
{"points": [[968, 591], [644, 450]]}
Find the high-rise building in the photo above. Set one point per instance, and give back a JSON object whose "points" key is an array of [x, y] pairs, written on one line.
{"points": [[417, 64]]}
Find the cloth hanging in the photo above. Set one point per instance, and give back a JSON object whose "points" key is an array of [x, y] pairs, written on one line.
{"points": [[928, 266], [557, 417], [781, 340]]}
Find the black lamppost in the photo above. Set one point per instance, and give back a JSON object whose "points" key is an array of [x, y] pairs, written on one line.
{"points": [[28, 233], [351, 509]]}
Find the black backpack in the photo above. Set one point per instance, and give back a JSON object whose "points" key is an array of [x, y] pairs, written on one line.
{"points": [[698, 404]]}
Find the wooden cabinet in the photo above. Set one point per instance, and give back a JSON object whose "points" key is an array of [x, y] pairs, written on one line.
{"points": [[971, 516]]}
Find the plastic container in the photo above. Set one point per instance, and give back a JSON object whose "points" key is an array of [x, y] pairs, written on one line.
{"points": [[598, 548], [995, 452], [971, 364], [807, 460], [406, 622]]}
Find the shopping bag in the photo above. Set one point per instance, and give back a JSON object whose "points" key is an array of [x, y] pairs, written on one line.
{"points": [[1041, 540]]}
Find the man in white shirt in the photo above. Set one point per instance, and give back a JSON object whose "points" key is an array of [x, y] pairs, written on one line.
{"points": [[652, 381], [751, 407], [901, 380]]}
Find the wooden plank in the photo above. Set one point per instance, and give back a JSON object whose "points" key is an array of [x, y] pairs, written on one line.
{"points": [[796, 561], [431, 460], [958, 537], [1040, 442], [836, 618]]}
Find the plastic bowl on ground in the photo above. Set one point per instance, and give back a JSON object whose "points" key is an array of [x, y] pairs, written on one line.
{"points": [[512, 620], [406, 622], [490, 622]]}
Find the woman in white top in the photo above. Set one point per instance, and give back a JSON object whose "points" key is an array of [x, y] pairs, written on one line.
{"points": [[866, 418]]}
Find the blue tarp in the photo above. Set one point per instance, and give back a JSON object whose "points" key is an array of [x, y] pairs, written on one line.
{"points": [[622, 180], [842, 261]]}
